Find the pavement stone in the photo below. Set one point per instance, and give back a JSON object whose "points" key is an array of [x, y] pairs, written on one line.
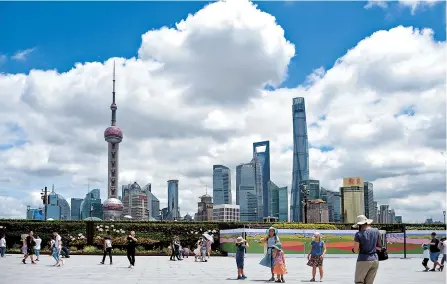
{"points": [[154, 269]]}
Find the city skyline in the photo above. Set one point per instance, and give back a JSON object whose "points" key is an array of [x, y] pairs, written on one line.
{"points": [[183, 113]]}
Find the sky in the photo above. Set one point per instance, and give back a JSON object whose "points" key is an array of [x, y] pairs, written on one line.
{"points": [[199, 82]]}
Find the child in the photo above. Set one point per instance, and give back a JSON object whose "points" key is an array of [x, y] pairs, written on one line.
{"points": [[316, 255], [241, 245], [279, 267], [426, 256], [203, 249]]}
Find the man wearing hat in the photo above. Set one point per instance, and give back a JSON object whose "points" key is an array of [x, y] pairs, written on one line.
{"points": [[366, 242]]}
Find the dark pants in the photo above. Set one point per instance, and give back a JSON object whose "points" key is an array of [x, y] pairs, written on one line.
{"points": [[425, 262], [107, 251], [443, 259], [2, 251], [66, 252], [131, 256]]}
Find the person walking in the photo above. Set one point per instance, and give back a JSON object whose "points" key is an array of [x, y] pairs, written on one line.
{"points": [[316, 256], [38, 242], [425, 257], [443, 245], [366, 243], [24, 248], [241, 246], [30, 243], [131, 244], [435, 251], [269, 241], [107, 244], [57, 248], [2, 245]]}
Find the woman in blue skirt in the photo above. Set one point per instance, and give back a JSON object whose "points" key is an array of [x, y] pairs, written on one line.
{"points": [[269, 241]]}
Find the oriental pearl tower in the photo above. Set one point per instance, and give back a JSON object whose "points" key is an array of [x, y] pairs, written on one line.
{"points": [[113, 207]]}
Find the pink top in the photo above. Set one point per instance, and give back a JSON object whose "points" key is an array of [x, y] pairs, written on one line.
{"points": [[279, 257]]}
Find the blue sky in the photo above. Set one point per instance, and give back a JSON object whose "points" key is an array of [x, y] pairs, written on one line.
{"points": [[64, 33]]}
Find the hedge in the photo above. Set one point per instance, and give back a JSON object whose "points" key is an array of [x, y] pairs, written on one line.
{"points": [[156, 236]]}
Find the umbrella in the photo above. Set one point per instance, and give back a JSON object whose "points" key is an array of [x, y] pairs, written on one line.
{"points": [[209, 237]]}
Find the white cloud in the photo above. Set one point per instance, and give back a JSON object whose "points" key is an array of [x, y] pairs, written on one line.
{"points": [[22, 55], [413, 5], [195, 97]]}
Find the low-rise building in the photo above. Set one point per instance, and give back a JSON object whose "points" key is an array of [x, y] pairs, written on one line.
{"points": [[317, 211], [226, 213]]}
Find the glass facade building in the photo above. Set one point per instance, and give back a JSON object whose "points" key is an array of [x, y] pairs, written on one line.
{"points": [[279, 202], [76, 208], [352, 203], [300, 169], [261, 151], [249, 191], [369, 201], [333, 200], [221, 185], [91, 206], [173, 210]]}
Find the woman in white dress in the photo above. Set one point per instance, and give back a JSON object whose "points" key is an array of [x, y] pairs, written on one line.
{"points": [[269, 242]]}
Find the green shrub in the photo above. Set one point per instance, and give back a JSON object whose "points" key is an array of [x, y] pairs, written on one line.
{"points": [[303, 226], [90, 249]]}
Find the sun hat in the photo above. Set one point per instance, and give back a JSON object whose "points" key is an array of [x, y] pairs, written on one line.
{"points": [[274, 229], [278, 246], [362, 220], [240, 240]]}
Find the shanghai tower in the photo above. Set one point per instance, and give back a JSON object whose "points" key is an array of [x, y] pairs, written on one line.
{"points": [[300, 170], [113, 207]]}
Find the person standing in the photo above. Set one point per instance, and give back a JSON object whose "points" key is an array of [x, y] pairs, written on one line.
{"points": [[38, 242], [279, 267], [30, 243], [131, 244], [241, 246], [366, 243], [269, 242], [2, 245], [434, 251], [316, 256], [107, 244], [425, 257]]}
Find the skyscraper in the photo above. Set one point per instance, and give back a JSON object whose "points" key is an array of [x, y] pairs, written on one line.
{"points": [[76, 208], [261, 151], [135, 202], [279, 202], [353, 202], [173, 210], [369, 200], [221, 185], [113, 207], [248, 189], [300, 170], [333, 200]]}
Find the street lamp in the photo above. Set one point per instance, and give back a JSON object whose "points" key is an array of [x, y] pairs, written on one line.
{"points": [[321, 212], [443, 212], [305, 194]]}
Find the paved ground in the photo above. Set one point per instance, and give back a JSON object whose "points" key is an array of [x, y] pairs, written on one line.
{"points": [[85, 269]]}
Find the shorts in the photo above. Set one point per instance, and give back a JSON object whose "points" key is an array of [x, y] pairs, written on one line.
{"points": [[434, 256], [240, 262], [30, 251]]}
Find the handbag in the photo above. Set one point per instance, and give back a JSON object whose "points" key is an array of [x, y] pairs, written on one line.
{"points": [[382, 254]]}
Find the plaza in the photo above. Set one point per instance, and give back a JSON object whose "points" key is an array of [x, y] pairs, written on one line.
{"points": [[86, 269]]}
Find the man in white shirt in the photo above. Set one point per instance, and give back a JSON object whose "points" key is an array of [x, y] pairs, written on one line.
{"points": [[38, 241], [443, 245], [57, 248], [2, 245]]}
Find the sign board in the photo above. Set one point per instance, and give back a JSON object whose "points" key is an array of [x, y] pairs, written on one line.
{"points": [[353, 181]]}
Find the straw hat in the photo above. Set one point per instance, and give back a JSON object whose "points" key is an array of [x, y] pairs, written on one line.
{"points": [[274, 229], [240, 240], [362, 220]]}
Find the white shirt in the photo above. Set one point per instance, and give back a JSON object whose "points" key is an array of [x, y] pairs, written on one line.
{"points": [[57, 242], [444, 244], [2, 243], [38, 242], [426, 253], [108, 243]]}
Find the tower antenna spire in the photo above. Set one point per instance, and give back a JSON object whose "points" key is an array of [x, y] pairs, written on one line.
{"points": [[113, 107]]}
